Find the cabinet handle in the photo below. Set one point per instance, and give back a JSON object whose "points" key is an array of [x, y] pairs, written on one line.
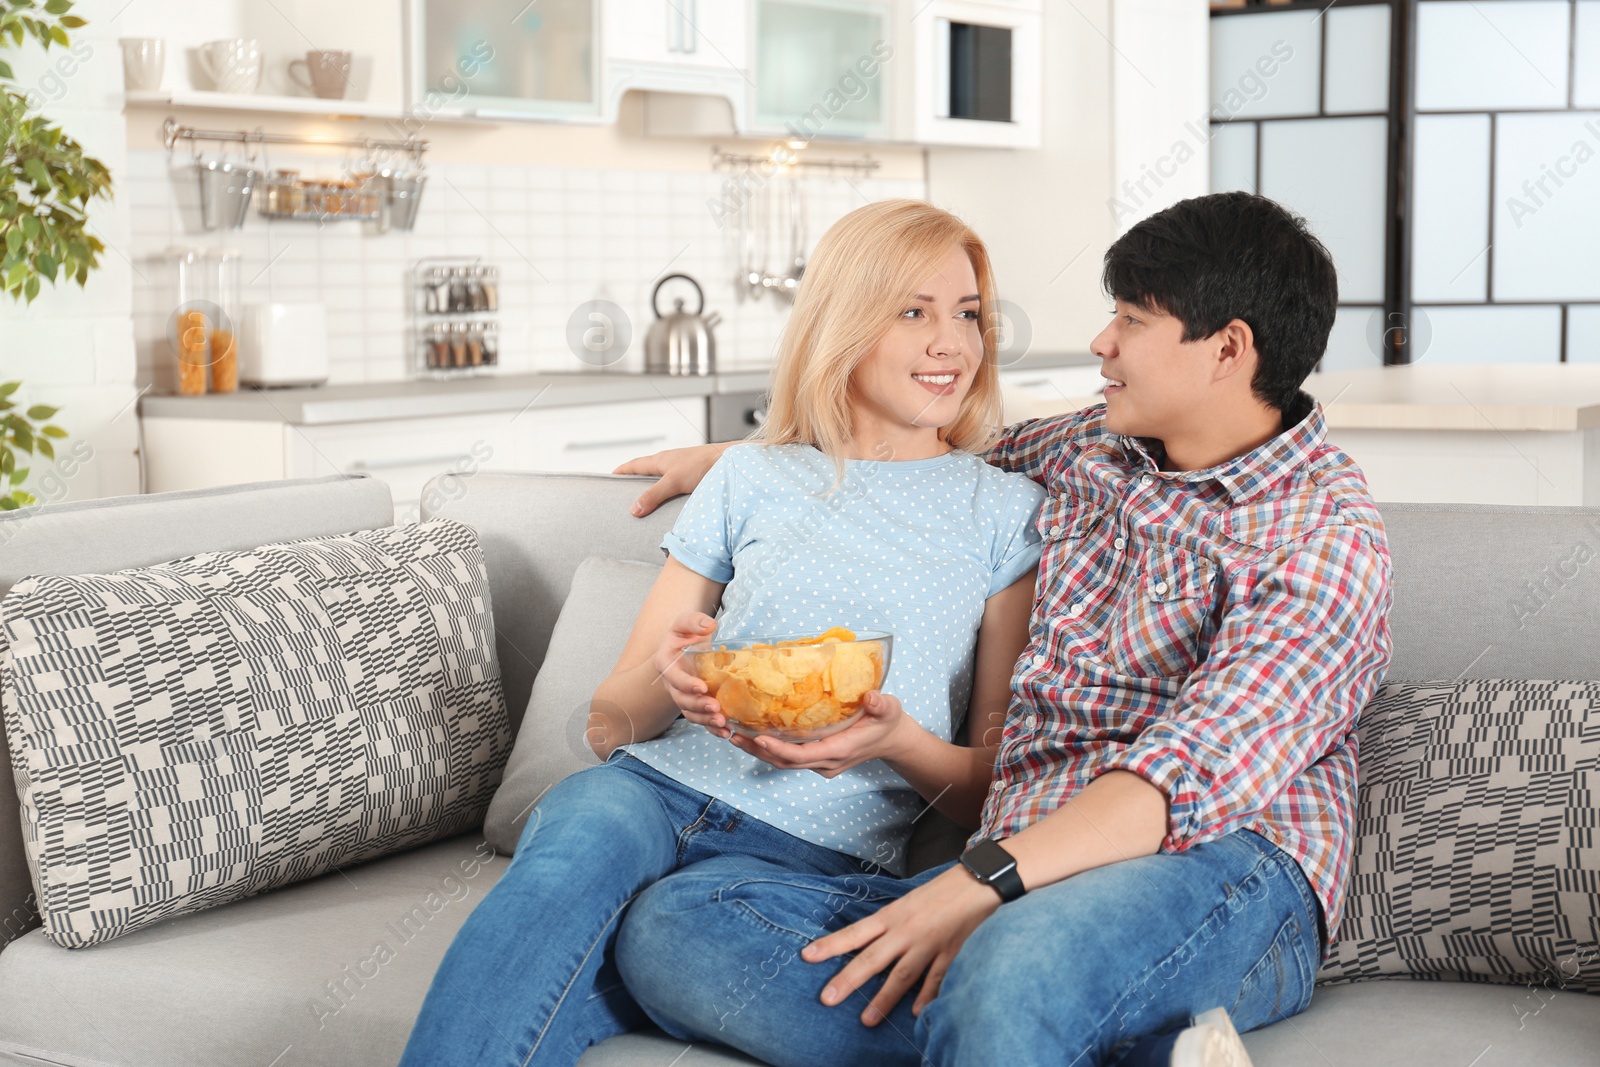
{"points": [[691, 18], [415, 461], [619, 442]]}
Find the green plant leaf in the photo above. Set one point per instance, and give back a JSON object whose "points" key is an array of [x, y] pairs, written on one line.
{"points": [[14, 239], [72, 22], [24, 498], [46, 449], [21, 435], [30, 288], [8, 504], [58, 7], [41, 412], [31, 228], [47, 265], [8, 460], [36, 170], [18, 477], [5, 70], [59, 36], [53, 431], [7, 388]]}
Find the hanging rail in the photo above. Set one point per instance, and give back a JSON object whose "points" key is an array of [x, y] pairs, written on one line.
{"points": [[172, 133], [783, 156]]}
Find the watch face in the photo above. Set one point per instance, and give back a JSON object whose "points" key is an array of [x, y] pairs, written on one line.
{"points": [[988, 860]]}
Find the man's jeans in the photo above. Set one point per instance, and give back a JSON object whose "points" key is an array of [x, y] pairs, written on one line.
{"points": [[1086, 971], [530, 977]]}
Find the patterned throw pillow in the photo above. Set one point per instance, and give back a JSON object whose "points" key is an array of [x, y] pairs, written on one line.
{"points": [[1476, 856], [194, 732]]}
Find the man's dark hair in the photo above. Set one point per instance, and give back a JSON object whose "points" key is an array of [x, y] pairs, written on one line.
{"points": [[1213, 259]]}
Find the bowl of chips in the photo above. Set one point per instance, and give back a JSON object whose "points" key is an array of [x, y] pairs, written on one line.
{"points": [[794, 688]]}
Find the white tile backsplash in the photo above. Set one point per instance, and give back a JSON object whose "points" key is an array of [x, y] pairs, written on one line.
{"points": [[560, 236]]}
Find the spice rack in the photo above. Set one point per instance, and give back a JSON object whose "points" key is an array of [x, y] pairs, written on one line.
{"points": [[454, 301]]}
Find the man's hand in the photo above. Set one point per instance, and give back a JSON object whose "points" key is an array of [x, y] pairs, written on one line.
{"points": [[923, 931], [878, 734], [679, 471]]}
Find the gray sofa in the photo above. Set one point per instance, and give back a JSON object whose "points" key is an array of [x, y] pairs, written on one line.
{"points": [[285, 978]]}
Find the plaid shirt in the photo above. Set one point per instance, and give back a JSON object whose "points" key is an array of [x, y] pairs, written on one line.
{"points": [[1215, 632]]}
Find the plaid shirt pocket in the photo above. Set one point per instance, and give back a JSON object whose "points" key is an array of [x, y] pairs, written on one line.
{"points": [[1161, 630]]}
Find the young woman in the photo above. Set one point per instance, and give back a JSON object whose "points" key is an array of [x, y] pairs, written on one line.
{"points": [[862, 506]]}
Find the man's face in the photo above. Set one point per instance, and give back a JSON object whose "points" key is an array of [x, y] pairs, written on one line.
{"points": [[1155, 382]]}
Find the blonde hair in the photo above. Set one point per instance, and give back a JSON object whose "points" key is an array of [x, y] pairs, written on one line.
{"points": [[864, 272]]}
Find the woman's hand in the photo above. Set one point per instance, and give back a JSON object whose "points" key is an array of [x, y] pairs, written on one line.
{"points": [[679, 471], [919, 933], [688, 692], [880, 733]]}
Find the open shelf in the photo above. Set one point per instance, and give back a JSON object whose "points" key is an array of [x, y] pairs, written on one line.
{"points": [[295, 105]]}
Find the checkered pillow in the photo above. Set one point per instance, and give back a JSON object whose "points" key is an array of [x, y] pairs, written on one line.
{"points": [[190, 733], [1476, 856]]}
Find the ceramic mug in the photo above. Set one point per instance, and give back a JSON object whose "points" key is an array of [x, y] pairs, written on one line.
{"points": [[144, 61], [232, 64], [327, 74]]}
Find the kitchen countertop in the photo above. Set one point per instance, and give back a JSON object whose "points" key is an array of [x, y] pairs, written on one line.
{"points": [[426, 398], [1432, 396]]}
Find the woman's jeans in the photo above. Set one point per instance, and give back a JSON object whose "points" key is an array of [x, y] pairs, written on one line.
{"points": [[1097, 968], [530, 978]]}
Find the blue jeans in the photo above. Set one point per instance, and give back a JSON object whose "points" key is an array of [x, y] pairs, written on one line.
{"points": [[1094, 969], [530, 978]]}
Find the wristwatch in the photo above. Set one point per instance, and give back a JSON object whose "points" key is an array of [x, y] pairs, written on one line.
{"points": [[995, 868]]}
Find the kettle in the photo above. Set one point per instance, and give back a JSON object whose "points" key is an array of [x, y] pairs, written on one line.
{"points": [[681, 342]]}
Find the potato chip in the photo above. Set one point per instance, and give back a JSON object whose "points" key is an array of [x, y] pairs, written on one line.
{"points": [[793, 687]]}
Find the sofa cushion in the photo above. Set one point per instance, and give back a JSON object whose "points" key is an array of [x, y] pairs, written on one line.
{"points": [[588, 637], [197, 731], [1476, 856], [111, 533]]}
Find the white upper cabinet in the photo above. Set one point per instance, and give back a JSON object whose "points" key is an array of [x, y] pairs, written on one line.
{"points": [[495, 59], [821, 69], [677, 46]]}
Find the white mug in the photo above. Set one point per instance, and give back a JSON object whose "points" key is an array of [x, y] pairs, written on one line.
{"points": [[144, 61], [233, 64]]}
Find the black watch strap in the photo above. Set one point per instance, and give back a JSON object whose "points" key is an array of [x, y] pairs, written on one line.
{"points": [[992, 865]]}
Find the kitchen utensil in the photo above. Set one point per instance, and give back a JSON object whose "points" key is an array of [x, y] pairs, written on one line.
{"points": [[283, 344], [327, 74], [681, 342], [233, 64], [403, 199], [144, 61], [225, 190]]}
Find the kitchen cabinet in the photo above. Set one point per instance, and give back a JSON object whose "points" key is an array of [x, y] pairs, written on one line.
{"points": [[505, 59], [404, 453], [822, 68], [677, 46]]}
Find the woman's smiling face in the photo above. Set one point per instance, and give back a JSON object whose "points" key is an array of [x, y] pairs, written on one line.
{"points": [[918, 373]]}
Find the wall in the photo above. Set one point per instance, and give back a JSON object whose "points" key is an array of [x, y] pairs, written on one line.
{"points": [[1045, 214], [619, 212], [73, 348]]}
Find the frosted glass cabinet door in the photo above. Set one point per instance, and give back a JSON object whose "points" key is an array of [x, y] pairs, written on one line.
{"points": [[1233, 158], [1266, 66], [1333, 172], [1357, 76], [1450, 208], [806, 67], [1492, 54], [506, 56], [1547, 207]]}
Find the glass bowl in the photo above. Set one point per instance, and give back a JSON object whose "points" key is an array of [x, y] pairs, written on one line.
{"points": [[792, 687]]}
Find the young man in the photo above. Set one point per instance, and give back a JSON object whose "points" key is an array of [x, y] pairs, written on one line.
{"points": [[1169, 830]]}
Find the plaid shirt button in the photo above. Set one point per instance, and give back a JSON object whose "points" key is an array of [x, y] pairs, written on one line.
{"points": [[1076, 609]]}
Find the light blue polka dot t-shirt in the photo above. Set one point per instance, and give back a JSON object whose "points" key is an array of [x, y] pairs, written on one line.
{"points": [[913, 548]]}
